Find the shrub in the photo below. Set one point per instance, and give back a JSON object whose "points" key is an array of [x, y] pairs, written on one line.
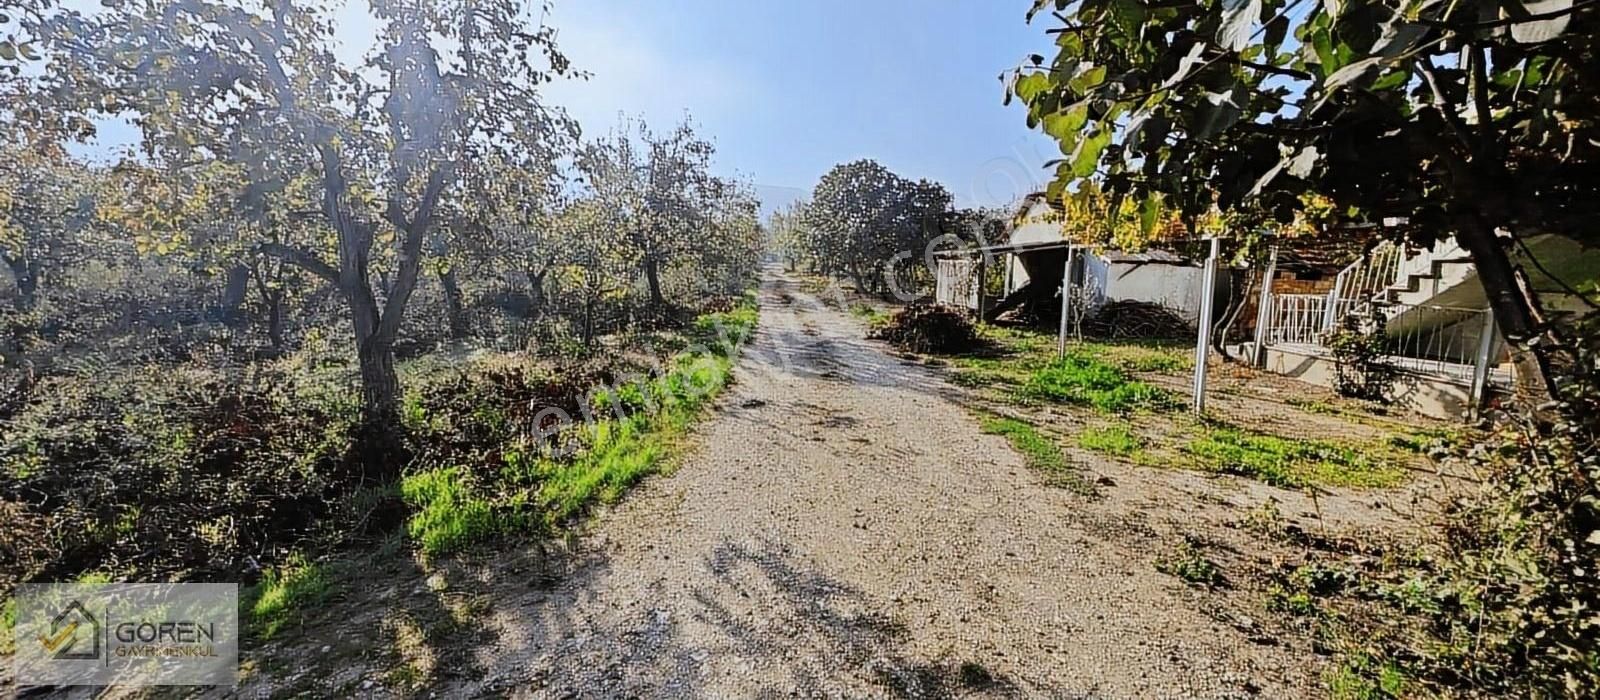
{"points": [[929, 328], [1512, 603], [162, 472], [1360, 351], [1188, 561]]}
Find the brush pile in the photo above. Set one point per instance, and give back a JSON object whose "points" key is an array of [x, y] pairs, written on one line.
{"points": [[929, 328], [1136, 319]]}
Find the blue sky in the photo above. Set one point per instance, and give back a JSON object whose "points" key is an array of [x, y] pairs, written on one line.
{"points": [[789, 89]]}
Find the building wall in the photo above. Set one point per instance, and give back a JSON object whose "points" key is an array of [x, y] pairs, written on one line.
{"points": [[1040, 223], [1172, 285]]}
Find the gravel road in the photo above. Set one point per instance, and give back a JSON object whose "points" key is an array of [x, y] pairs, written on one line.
{"points": [[842, 528]]}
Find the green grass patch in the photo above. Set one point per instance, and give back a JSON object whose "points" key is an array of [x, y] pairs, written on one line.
{"points": [[617, 455], [8, 622], [872, 315], [1290, 462], [1142, 356], [1361, 678], [723, 333], [284, 595], [1039, 451], [1116, 439], [448, 511], [453, 507], [1086, 381]]}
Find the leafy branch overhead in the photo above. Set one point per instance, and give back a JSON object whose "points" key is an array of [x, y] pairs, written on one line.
{"points": [[1223, 102], [1461, 119]]}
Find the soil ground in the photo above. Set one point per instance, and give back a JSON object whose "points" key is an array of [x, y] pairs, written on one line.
{"points": [[842, 527]]}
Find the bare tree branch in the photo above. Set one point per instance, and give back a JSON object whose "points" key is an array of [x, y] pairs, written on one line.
{"points": [[301, 258]]}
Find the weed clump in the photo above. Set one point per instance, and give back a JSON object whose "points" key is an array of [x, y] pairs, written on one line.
{"points": [[1088, 381], [1040, 451], [1118, 440], [1188, 561], [1288, 462], [929, 328]]}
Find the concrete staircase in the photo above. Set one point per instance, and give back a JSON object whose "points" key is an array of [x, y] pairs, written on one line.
{"points": [[1439, 276], [1442, 276]]}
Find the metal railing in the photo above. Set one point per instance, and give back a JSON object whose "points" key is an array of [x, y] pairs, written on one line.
{"points": [[1296, 319], [1446, 341], [1363, 281]]}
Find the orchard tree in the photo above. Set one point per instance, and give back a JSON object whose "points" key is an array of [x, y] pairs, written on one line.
{"points": [[48, 215], [661, 188], [861, 215], [1474, 120], [790, 238], [447, 84], [507, 222]]}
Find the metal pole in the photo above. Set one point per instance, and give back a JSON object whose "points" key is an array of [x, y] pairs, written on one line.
{"points": [[983, 270], [1066, 300], [1202, 347], [1480, 366], [1264, 310]]}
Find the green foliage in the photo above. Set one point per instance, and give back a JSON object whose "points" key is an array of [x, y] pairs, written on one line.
{"points": [[8, 623], [1361, 350], [637, 424], [1087, 381], [1187, 561], [1290, 463], [449, 512], [861, 215], [616, 454], [1250, 105], [872, 315], [1509, 597], [284, 595], [1359, 677], [1298, 603], [1116, 439], [724, 332]]}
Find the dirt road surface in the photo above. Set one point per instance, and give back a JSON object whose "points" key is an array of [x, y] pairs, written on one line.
{"points": [[843, 529]]}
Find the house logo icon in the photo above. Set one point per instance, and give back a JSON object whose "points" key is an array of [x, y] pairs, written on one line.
{"points": [[74, 634]]}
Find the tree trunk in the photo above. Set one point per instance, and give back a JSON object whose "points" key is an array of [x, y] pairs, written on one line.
{"points": [[234, 286], [381, 450], [456, 316], [275, 321], [536, 291], [1534, 346], [27, 279], [1230, 315], [588, 321], [652, 275]]}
